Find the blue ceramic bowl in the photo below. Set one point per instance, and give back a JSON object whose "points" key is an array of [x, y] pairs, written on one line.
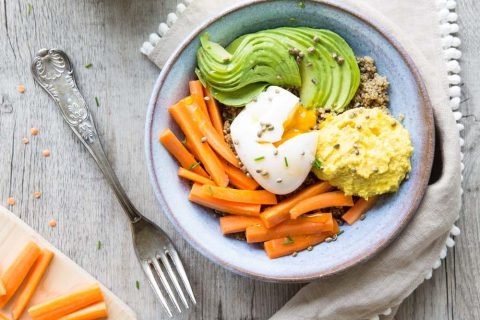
{"points": [[200, 227]]}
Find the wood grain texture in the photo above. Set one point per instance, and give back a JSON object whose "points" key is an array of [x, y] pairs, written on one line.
{"points": [[108, 34]]}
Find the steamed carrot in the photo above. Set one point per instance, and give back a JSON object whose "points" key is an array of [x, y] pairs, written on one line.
{"points": [[178, 150], [3, 291], [320, 223], [196, 91], [214, 112], [324, 200], [192, 176], [238, 178], [243, 196], [199, 196], [18, 270], [359, 208], [214, 139], [93, 312], [284, 246], [206, 155], [276, 214], [232, 224], [66, 304], [31, 283]]}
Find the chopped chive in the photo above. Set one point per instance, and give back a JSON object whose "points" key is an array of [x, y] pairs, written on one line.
{"points": [[137, 284], [340, 232], [99, 245], [210, 190], [317, 164], [286, 161], [193, 166], [29, 9], [288, 240], [301, 4], [88, 65], [294, 20], [97, 102], [259, 158], [184, 141]]}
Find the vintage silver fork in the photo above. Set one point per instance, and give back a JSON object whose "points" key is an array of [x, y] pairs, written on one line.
{"points": [[154, 249]]}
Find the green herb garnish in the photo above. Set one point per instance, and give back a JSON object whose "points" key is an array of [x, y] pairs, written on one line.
{"points": [[210, 190], [259, 158], [193, 166], [88, 65], [294, 20], [289, 240], [184, 141], [340, 232], [137, 284], [29, 8], [286, 161], [317, 164], [99, 245], [97, 102], [301, 4]]}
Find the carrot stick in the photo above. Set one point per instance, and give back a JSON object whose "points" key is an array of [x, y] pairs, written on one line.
{"points": [[214, 112], [196, 90], [18, 270], [302, 226], [192, 176], [93, 312], [281, 212], [215, 140], [206, 155], [232, 224], [239, 179], [31, 283], [325, 200], [243, 196], [359, 208], [178, 150], [66, 304], [277, 248], [199, 196], [3, 291]]}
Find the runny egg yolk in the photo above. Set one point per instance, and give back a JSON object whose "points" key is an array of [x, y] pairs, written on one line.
{"points": [[301, 121]]}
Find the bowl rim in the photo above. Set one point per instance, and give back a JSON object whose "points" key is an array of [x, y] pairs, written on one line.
{"points": [[426, 158]]}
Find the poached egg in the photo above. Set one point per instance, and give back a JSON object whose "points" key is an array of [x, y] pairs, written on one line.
{"points": [[273, 139]]}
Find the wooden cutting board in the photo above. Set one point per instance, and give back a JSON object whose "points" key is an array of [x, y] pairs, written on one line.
{"points": [[62, 276]]}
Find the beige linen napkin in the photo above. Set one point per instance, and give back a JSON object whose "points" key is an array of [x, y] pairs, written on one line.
{"points": [[374, 289]]}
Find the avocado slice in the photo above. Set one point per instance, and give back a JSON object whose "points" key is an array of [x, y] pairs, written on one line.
{"points": [[317, 62]]}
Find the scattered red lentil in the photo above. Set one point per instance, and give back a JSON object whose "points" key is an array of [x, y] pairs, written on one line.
{"points": [[21, 88], [46, 153], [34, 131], [25, 141], [52, 223], [11, 201], [37, 194]]}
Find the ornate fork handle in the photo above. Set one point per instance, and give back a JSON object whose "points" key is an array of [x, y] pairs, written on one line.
{"points": [[54, 72]]}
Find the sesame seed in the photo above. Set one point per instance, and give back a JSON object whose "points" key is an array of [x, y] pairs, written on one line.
{"points": [[334, 237], [340, 60], [34, 131], [375, 169], [394, 123], [206, 98], [279, 77], [259, 133], [363, 216], [367, 117], [355, 145], [301, 54], [21, 88], [258, 170], [264, 173], [52, 223], [401, 117], [407, 176], [248, 174], [329, 239], [279, 180], [334, 55], [314, 81], [309, 64], [204, 139], [11, 201], [25, 141], [46, 153], [270, 99], [275, 152], [277, 91], [352, 115], [235, 142], [311, 49], [354, 170], [303, 153], [359, 126], [294, 254], [309, 248], [37, 194], [336, 146], [357, 152], [316, 39], [240, 163]]}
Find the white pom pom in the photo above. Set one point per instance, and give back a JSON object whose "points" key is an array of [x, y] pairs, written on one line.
{"points": [[460, 126], [171, 19], [153, 38], [454, 27], [462, 167], [454, 103], [452, 53], [163, 29], [452, 17], [462, 156], [429, 274], [443, 13], [461, 178], [462, 142], [457, 115], [447, 41], [451, 4], [455, 231], [387, 312], [454, 79], [454, 91], [441, 3], [437, 264], [461, 192], [146, 48], [456, 42], [180, 8], [443, 252], [453, 66], [450, 242]]}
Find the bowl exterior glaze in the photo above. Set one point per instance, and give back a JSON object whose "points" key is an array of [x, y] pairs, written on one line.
{"points": [[359, 242]]}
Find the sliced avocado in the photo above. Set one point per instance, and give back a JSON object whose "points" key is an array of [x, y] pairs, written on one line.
{"points": [[319, 63]]}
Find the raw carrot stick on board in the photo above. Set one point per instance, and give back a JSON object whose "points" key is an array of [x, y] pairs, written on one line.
{"points": [[206, 155], [214, 112], [302, 226], [199, 196], [192, 176], [359, 208], [18, 270], [196, 90], [31, 283], [209, 134], [276, 214], [243, 196], [178, 150], [66, 304], [232, 224], [324, 200], [96, 311]]}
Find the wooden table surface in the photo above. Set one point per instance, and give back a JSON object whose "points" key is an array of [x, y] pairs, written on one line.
{"points": [[108, 34]]}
